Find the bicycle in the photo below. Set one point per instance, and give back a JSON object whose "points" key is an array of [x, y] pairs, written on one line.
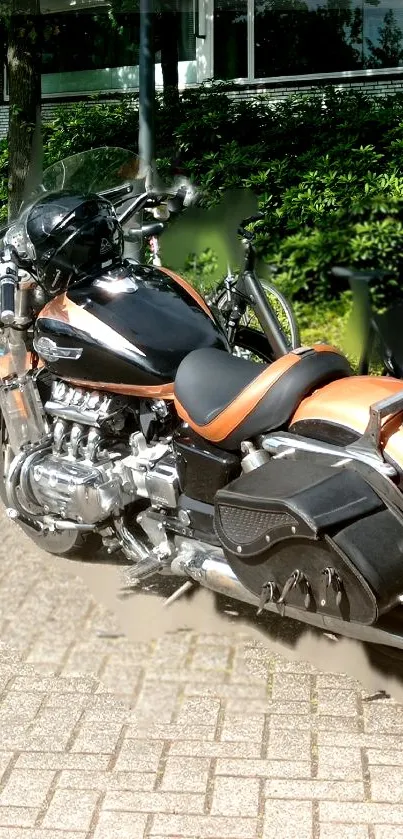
{"points": [[242, 302]]}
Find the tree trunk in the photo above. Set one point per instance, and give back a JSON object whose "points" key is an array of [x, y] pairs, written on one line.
{"points": [[24, 78], [169, 28]]}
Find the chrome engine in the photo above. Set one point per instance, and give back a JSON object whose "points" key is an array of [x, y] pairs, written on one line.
{"points": [[81, 473]]}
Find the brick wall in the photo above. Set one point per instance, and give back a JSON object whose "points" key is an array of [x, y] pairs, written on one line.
{"points": [[275, 92], [279, 92]]}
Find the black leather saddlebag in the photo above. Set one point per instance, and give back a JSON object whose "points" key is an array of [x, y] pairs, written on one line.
{"points": [[312, 537]]}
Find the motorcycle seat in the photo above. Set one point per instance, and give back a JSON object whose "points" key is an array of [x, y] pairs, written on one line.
{"points": [[226, 399]]}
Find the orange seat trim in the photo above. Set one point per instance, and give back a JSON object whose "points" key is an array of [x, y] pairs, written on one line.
{"points": [[244, 403]]}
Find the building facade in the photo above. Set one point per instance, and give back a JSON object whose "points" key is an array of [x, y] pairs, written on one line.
{"points": [[265, 47]]}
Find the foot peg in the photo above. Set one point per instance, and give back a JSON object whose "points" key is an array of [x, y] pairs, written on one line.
{"points": [[145, 567]]}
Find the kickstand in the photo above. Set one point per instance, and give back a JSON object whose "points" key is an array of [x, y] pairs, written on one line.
{"points": [[178, 593]]}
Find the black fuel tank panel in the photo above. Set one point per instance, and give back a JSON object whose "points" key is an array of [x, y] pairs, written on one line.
{"points": [[134, 326]]}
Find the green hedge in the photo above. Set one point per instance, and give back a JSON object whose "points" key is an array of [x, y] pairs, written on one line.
{"points": [[327, 170]]}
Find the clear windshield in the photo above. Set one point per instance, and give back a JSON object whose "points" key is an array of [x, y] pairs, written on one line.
{"points": [[96, 170]]}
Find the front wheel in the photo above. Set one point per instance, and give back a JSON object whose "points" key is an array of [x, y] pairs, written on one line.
{"points": [[65, 543], [249, 329]]}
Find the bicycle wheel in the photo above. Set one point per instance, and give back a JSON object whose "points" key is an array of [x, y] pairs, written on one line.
{"points": [[278, 303]]}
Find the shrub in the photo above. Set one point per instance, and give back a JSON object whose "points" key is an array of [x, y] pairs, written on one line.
{"points": [[327, 170]]}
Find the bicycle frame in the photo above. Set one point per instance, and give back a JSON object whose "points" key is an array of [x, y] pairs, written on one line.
{"points": [[246, 290]]}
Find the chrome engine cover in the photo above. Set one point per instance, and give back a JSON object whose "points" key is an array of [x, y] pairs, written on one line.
{"points": [[79, 474], [78, 490]]}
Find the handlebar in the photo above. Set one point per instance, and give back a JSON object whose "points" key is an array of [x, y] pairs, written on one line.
{"points": [[352, 274], [145, 231], [153, 199], [8, 285], [246, 234]]}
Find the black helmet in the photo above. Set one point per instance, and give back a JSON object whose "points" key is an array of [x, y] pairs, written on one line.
{"points": [[69, 237]]}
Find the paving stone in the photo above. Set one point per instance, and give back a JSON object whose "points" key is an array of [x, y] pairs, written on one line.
{"points": [[64, 760], [202, 721], [92, 739], [139, 756], [334, 703], [38, 833], [383, 718], [296, 745], [385, 757], [263, 768], [185, 774], [292, 687], [339, 726], [19, 708], [351, 739], [335, 762], [69, 811], [386, 783], [82, 779], [314, 789], [226, 691], [120, 826], [200, 711], [238, 728], [18, 816], [236, 797], [203, 827], [344, 831], [154, 802], [28, 786], [362, 813], [206, 749], [285, 820]]}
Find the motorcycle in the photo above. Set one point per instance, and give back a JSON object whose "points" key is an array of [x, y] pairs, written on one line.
{"points": [[127, 420]]}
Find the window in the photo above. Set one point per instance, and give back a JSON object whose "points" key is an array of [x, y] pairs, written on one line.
{"points": [[85, 51], [89, 41], [297, 37], [230, 39]]}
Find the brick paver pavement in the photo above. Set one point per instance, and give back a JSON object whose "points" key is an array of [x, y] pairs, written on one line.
{"points": [[190, 734]]}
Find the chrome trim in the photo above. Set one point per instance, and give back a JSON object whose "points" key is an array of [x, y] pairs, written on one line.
{"points": [[210, 572], [273, 442], [50, 351], [11, 481]]}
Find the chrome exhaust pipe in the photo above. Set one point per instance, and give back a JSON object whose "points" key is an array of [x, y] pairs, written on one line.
{"points": [[215, 574], [219, 577]]}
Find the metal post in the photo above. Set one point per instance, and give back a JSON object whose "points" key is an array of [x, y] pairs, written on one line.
{"points": [[134, 250], [146, 83]]}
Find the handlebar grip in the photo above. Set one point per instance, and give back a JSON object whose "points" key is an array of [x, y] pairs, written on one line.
{"points": [[7, 301]]}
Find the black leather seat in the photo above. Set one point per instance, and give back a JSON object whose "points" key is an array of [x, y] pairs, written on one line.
{"points": [[227, 399]]}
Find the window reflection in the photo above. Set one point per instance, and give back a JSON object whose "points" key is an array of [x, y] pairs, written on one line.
{"points": [[230, 39], [383, 34], [294, 37]]}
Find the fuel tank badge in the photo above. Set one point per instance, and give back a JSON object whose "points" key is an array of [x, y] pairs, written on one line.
{"points": [[50, 351]]}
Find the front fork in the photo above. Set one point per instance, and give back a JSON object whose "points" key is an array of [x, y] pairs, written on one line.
{"points": [[249, 290]]}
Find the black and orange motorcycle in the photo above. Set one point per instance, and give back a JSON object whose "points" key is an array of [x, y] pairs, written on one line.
{"points": [[127, 419]]}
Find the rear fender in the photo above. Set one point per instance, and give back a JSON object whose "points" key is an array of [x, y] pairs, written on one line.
{"points": [[346, 403]]}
